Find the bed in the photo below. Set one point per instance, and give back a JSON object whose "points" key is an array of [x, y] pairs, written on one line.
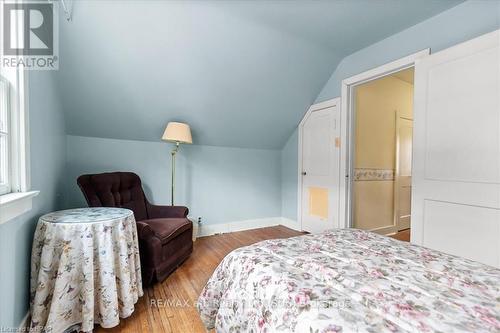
{"points": [[349, 280]]}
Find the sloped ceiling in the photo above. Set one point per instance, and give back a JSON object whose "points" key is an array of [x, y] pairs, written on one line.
{"points": [[241, 73]]}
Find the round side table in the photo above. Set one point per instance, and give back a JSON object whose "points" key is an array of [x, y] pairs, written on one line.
{"points": [[85, 269]]}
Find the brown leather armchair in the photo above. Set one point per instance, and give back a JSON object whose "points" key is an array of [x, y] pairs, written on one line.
{"points": [[165, 232]]}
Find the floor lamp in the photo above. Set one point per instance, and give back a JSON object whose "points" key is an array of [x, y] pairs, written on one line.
{"points": [[177, 133]]}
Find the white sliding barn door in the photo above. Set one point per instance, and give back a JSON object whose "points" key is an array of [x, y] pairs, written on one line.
{"points": [[456, 170]]}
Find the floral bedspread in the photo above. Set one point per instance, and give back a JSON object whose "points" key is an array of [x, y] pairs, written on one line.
{"points": [[348, 280]]}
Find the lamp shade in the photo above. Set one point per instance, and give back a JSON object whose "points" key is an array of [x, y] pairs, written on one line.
{"points": [[177, 132]]}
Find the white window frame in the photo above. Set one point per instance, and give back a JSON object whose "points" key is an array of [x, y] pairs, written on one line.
{"points": [[17, 118], [16, 196], [5, 133]]}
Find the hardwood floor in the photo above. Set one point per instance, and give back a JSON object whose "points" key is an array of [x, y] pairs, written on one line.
{"points": [[169, 306]]}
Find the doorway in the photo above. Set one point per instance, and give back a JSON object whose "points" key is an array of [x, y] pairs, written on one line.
{"points": [[347, 127], [382, 154]]}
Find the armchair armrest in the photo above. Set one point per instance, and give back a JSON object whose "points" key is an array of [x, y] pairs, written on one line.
{"points": [[150, 249], [144, 231], [155, 212]]}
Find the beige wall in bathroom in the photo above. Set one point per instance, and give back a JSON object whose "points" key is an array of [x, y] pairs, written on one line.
{"points": [[376, 106]]}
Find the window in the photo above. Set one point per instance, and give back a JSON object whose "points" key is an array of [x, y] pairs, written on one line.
{"points": [[15, 194], [5, 151], [13, 132]]}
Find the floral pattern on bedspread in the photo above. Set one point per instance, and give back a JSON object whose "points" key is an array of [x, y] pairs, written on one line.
{"points": [[349, 280]]}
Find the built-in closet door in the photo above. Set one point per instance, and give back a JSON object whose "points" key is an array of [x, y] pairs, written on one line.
{"points": [[456, 153], [320, 169]]}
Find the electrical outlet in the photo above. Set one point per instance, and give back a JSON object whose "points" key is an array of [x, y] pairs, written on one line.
{"points": [[199, 220]]}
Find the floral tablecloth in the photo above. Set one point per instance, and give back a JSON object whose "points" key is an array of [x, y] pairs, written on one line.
{"points": [[85, 269], [349, 280]]}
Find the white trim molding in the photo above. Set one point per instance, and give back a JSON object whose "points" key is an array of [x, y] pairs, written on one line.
{"points": [[14, 204], [386, 230], [347, 121], [19, 150], [223, 228]]}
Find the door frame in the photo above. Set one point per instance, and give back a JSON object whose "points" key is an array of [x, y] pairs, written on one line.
{"points": [[397, 168], [347, 122], [315, 107]]}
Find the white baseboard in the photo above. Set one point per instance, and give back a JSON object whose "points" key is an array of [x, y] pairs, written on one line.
{"points": [[24, 325], [385, 231], [292, 224], [221, 228]]}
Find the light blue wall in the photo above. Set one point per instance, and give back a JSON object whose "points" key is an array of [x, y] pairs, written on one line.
{"points": [[220, 184], [458, 24], [289, 157], [213, 63], [205, 64], [47, 145]]}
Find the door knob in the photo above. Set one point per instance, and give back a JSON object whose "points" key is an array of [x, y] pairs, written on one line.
{"points": [[304, 173]]}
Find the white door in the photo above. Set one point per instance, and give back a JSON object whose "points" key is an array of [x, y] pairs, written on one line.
{"points": [[320, 170], [456, 169], [402, 185]]}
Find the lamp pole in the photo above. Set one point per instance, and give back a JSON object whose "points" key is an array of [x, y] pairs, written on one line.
{"points": [[177, 133], [173, 153]]}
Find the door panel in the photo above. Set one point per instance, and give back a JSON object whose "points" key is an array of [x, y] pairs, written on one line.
{"points": [[456, 170], [447, 224], [318, 202], [320, 164], [317, 145], [454, 88]]}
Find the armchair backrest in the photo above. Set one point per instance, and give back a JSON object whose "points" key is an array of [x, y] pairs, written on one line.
{"points": [[115, 189]]}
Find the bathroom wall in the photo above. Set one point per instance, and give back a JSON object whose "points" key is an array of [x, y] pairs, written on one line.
{"points": [[377, 104]]}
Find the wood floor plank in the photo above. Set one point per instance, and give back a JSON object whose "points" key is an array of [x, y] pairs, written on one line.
{"points": [[170, 306], [171, 313]]}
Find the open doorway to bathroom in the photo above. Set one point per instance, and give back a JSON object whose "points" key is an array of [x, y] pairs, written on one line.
{"points": [[382, 154]]}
